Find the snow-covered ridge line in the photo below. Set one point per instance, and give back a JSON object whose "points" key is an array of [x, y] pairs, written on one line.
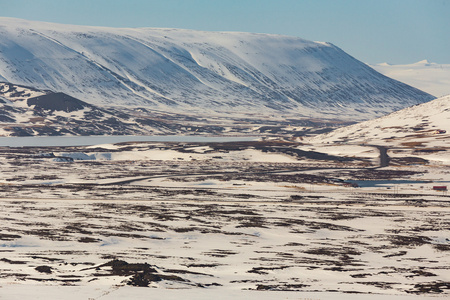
{"points": [[180, 70], [421, 126]]}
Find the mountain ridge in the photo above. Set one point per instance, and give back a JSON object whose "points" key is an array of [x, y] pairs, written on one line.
{"points": [[199, 72]]}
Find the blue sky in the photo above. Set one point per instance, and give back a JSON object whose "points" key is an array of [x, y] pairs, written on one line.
{"points": [[373, 31]]}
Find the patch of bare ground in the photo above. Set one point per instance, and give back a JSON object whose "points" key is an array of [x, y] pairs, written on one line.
{"points": [[312, 225], [281, 287], [220, 253], [13, 262], [379, 174], [379, 284], [265, 270], [408, 241], [429, 150], [201, 265], [400, 253], [9, 237], [405, 161], [442, 247], [49, 234], [435, 287], [140, 274], [177, 271], [44, 269], [87, 239], [345, 251], [421, 272]]}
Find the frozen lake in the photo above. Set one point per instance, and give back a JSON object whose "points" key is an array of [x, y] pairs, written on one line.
{"points": [[387, 183], [55, 141]]}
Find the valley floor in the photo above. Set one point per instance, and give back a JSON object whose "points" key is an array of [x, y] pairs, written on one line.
{"points": [[213, 221]]}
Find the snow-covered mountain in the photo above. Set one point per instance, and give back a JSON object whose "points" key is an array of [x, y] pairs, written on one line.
{"points": [[425, 125], [201, 73], [427, 76]]}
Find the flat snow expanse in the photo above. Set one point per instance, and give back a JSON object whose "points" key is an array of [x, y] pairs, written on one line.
{"points": [[125, 292], [429, 77]]}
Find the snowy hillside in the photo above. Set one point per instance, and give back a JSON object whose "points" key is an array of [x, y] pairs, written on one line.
{"points": [[197, 72], [424, 125], [26, 111], [430, 77]]}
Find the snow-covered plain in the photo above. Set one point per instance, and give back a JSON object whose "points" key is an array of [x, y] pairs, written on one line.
{"points": [[252, 250], [227, 220], [427, 76]]}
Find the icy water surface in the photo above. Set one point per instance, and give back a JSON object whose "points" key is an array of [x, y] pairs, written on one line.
{"points": [[49, 141], [387, 183]]}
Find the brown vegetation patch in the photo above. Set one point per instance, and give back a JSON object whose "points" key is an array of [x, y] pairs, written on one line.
{"points": [[412, 144], [203, 265], [87, 239], [344, 251], [436, 287], [44, 269], [442, 247], [219, 253], [429, 150], [281, 287], [379, 284], [380, 174], [264, 270], [400, 253], [13, 262], [9, 237], [408, 161], [402, 240]]}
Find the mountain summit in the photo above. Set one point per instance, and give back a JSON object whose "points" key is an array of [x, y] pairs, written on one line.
{"points": [[195, 72]]}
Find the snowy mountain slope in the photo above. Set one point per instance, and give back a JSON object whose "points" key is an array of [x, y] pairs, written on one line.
{"points": [[430, 77], [198, 72], [424, 125], [26, 111]]}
